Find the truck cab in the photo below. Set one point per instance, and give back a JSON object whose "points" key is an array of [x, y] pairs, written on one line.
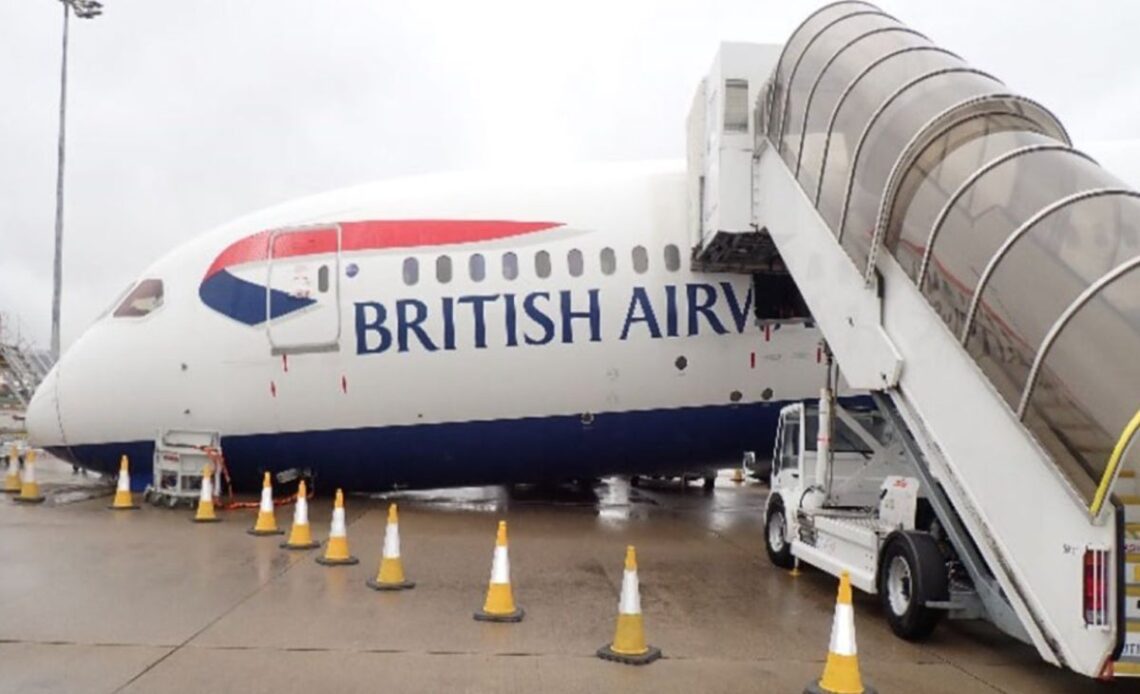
{"points": [[842, 499]]}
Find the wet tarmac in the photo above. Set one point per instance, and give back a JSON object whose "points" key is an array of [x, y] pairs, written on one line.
{"points": [[145, 601]]}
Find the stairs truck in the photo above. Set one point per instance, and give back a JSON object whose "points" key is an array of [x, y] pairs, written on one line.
{"points": [[978, 278]]}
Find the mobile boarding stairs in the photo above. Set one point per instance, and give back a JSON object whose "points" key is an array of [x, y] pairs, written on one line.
{"points": [[974, 272]]}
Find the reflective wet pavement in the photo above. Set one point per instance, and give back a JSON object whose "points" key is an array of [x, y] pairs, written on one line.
{"points": [[145, 601]]}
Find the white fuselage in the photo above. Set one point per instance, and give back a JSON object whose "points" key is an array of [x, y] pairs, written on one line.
{"points": [[603, 352]]}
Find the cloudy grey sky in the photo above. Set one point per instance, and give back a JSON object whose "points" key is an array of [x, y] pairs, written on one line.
{"points": [[185, 115]]}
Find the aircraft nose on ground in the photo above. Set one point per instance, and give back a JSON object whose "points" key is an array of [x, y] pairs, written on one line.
{"points": [[42, 416]]}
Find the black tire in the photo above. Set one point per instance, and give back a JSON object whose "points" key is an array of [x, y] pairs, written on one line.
{"points": [[635, 480], [710, 482], [779, 553], [912, 572]]}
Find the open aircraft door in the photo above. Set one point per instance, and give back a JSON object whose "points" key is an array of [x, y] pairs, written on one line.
{"points": [[303, 301]]}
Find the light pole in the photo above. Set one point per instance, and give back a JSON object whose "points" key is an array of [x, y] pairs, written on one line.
{"points": [[84, 9]]}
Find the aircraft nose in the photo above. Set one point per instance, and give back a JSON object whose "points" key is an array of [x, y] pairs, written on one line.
{"points": [[42, 416]]}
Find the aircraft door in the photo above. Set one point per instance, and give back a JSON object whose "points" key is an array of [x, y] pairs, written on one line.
{"points": [[303, 301]]}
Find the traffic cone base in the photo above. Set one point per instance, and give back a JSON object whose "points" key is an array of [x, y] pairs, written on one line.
{"points": [[263, 533], [650, 654], [300, 537], [817, 688], [336, 553], [30, 498], [375, 584], [510, 617], [312, 544], [120, 504], [500, 605]]}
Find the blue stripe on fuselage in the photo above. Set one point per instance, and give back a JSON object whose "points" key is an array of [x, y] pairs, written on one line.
{"points": [[489, 452]]}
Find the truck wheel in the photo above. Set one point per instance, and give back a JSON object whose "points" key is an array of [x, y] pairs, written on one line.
{"points": [[912, 571], [776, 536], [710, 483]]}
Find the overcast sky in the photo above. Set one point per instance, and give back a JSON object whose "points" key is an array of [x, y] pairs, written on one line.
{"points": [[183, 115]]}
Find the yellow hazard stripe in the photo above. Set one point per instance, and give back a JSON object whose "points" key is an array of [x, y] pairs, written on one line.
{"points": [[1132, 528], [1126, 668], [1132, 591], [1133, 626], [1113, 463], [1130, 499]]}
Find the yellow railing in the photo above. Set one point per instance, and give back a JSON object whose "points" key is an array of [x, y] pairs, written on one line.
{"points": [[1114, 463]]}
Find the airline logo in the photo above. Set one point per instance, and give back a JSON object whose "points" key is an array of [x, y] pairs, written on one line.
{"points": [[544, 317], [249, 302]]}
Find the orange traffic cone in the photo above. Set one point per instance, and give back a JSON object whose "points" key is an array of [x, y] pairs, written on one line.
{"points": [[738, 476], [12, 479], [205, 512], [123, 499], [301, 535], [500, 604], [629, 645], [391, 573], [266, 521], [841, 673], [29, 490], [336, 552]]}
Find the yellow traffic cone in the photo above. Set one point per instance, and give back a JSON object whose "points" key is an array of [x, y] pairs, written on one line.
{"points": [[301, 535], [500, 604], [841, 673], [29, 490], [738, 476], [123, 499], [391, 573], [266, 521], [336, 552], [12, 479], [629, 645], [205, 512]]}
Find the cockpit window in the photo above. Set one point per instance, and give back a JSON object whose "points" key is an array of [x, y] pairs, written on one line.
{"points": [[144, 298]]}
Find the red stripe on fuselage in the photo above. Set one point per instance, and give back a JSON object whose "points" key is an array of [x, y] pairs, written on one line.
{"points": [[372, 235]]}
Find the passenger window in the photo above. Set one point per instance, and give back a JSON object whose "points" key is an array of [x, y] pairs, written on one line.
{"points": [[443, 269], [411, 271], [609, 261], [323, 279], [672, 258], [575, 263], [144, 298], [510, 266], [640, 259], [542, 264], [477, 267]]}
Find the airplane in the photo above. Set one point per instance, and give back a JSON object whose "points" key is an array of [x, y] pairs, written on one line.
{"points": [[444, 330]]}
